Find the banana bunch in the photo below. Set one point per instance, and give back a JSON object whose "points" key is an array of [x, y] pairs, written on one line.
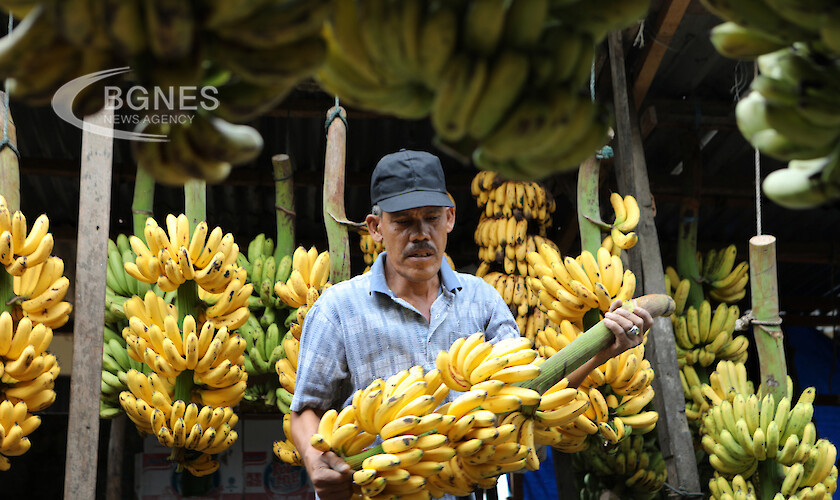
{"points": [[287, 450], [310, 272], [634, 468], [503, 198], [499, 79], [215, 356], [120, 286], [116, 363], [757, 27], [29, 372], [723, 280], [264, 270], [16, 423], [568, 288], [737, 487], [702, 336], [742, 428], [250, 54], [265, 349], [205, 429], [627, 217]]}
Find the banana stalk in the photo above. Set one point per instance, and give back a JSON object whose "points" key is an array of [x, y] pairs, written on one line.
{"points": [[284, 204], [143, 202], [589, 212], [334, 162], [765, 307], [6, 291], [769, 478], [195, 202], [687, 252]]}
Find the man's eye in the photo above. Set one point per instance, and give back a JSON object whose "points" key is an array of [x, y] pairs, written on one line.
{"points": [[433, 218]]}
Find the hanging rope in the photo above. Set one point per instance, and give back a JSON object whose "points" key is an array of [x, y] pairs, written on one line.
{"points": [[757, 177], [6, 143], [335, 113]]}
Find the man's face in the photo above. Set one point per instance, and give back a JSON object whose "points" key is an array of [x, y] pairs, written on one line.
{"points": [[415, 239]]}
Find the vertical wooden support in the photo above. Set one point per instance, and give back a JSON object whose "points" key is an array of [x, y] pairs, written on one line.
{"points": [[334, 161], [564, 474], [284, 206], [9, 163], [116, 445], [646, 260], [765, 310], [91, 259]]}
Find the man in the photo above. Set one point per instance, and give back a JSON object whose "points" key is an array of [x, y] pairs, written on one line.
{"points": [[410, 306]]}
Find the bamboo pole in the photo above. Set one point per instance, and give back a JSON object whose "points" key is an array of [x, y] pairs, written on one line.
{"points": [[91, 259], [769, 340], [334, 161], [284, 206], [142, 206]]}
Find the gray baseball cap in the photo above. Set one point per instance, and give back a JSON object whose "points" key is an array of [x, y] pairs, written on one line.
{"points": [[408, 179]]}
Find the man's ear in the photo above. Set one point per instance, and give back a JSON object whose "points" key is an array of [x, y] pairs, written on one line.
{"points": [[373, 222], [450, 219]]}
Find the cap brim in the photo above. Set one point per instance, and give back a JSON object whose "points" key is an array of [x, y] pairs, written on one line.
{"points": [[415, 199]]}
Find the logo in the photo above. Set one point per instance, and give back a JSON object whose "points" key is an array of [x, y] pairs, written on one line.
{"points": [[136, 107]]}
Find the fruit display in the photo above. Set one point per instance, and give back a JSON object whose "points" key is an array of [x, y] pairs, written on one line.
{"points": [[237, 60], [34, 286], [192, 372], [772, 445], [501, 80], [513, 222], [791, 112]]}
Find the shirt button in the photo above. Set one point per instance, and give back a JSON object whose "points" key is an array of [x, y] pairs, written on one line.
{"points": [[437, 316]]}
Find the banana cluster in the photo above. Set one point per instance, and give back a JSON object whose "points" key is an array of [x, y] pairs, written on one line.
{"points": [[737, 487], [214, 356], [569, 287], [627, 215], [250, 53], [28, 372], [499, 197], [286, 450], [265, 349], [741, 429], [16, 423], [702, 336], [116, 364], [633, 469], [723, 280], [500, 79], [120, 286], [207, 429], [310, 272]]}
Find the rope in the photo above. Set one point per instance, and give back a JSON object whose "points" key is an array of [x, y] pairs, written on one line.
{"points": [[6, 143], [335, 113], [683, 492]]}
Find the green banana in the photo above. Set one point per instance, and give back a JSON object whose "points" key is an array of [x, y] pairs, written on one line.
{"points": [[484, 24]]}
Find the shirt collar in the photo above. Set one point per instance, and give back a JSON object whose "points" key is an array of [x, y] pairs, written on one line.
{"points": [[378, 283]]}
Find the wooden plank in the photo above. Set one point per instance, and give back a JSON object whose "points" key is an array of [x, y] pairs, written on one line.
{"points": [[334, 162], [91, 259], [646, 261], [667, 22]]}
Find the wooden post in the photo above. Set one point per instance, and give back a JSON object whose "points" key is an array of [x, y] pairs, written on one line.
{"points": [[91, 259], [334, 161], [116, 445], [9, 162], [564, 475], [646, 260], [284, 206], [769, 341]]}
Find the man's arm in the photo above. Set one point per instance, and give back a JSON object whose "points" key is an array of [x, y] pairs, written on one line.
{"points": [[331, 476]]}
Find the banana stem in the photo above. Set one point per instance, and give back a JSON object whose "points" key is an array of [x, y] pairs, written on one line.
{"points": [[334, 161], [355, 462], [587, 203], [6, 291], [284, 205], [142, 206], [687, 252], [185, 302], [195, 202], [589, 344], [770, 479]]}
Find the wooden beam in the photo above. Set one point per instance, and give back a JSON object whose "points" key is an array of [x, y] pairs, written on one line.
{"points": [[91, 259], [646, 261], [667, 21]]}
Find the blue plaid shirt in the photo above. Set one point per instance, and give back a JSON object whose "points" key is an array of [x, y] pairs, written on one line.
{"points": [[359, 330]]}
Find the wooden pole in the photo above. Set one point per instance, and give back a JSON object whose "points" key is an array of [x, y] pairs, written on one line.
{"points": [[9, 161], [91, 259], [284, 206], [334, 161], [116, 445], [769, 340], [646, 260]]}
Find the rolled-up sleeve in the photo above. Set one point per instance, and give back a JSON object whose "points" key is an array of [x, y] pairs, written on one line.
{"points": [[322, 362]]}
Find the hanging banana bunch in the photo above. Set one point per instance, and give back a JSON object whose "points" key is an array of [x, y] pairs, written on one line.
{"points": [[627, 215], [634, 469], [751, 438], [35, 288], [192, 372]]}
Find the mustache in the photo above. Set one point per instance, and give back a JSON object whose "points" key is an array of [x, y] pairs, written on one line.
{"points": [[416, 247]]}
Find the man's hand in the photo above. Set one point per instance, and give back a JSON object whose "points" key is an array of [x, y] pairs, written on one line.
{"points": [[621, 322], [331, 477]]}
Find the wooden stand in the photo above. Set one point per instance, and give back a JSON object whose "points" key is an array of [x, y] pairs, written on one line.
{"points": [[91, 254], [646, 262]]}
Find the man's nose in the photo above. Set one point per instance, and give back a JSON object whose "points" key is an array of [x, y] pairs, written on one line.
{"points": [[420, 232]]}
